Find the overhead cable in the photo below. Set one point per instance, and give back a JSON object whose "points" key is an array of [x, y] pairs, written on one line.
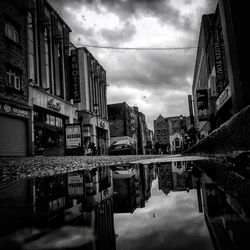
{"points": [[138, 48]]}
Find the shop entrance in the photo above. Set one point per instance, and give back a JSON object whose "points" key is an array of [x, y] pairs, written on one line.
{"points": [[101, 141]]}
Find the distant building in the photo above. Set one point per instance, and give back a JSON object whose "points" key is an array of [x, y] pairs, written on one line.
{"points": [[170, 133], [128, 123], [161, 131], [177, 127]]}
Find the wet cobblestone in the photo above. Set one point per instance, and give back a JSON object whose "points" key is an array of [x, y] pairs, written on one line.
{"points": [[28, 167]]}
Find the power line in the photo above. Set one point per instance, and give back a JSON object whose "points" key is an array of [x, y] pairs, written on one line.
{"points": [[139, 48]]}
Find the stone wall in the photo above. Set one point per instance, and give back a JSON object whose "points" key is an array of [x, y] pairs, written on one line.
{"points": [[230, 138]]}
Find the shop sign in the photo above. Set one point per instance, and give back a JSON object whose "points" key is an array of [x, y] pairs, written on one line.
{"points": [[75, 185], [74, 77], [102, 124], [73, 136], [86, 131], [54, 105], [6, 108], [219, 66], [202, 104], [222, 99]]}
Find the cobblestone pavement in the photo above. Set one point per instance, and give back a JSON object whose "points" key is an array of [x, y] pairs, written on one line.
{"points": [[12, 168]]}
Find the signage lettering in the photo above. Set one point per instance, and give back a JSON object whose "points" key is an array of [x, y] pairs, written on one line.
{"points": [[73, 136], [219, 66], [56, 106], [6, 108], [75, 81]]}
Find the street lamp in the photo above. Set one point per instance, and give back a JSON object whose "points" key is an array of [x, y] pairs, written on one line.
{"points": [[181, 120]]}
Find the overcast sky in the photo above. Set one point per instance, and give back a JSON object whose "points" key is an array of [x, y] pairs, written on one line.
{"points": [[156, 81]]}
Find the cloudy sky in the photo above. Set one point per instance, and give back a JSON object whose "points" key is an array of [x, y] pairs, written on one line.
{"points": [[157, 81]]}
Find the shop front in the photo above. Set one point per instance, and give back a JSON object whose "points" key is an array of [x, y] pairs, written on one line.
{"points": [[15, 129], [50, 116], [102, 141], [48, 132]]}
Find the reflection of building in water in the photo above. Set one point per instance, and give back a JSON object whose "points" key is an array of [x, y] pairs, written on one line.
{"points": [[124, 179], [182, 179], [82, 199], [225, 218], [175, 176], [165, 178], [132, 186], [98, 207]]}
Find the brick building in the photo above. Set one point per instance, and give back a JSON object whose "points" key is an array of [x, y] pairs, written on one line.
{"points": [[170, 133], [128, 122], [15, 113]]}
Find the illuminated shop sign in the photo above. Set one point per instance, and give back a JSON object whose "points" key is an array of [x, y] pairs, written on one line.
{"points": [[74, 77], [73, 136], [222, 99], [54, 105]]}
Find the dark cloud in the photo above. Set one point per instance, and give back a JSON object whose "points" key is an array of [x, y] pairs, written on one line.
{"points": [[119, 35], [153, 69], [126, 9]]}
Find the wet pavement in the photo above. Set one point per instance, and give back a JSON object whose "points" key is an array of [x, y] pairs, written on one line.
{"points": [[179, 202]]}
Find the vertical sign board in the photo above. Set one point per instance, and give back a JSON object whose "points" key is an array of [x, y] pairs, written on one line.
{"points": [[74, 77], [218, 45], [76, 184], [73, 135], [202, 104]]}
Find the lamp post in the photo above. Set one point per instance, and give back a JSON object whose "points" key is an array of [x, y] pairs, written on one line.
{"points": [[181, 120]]}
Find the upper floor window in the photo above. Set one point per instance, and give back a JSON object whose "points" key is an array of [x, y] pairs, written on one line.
{"points": [[12, 32], [31, 49], [13, 78]]}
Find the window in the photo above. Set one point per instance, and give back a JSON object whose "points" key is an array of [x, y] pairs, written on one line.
{"points": [[31, 48], [13, 79], [11, 32], [54, 121], [47, 57]]}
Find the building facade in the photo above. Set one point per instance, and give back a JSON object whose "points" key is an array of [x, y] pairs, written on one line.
{"points": [[161, 134], [15, 112], [128, 123], [92, 101], [170, 133], [220, 87], [48, 77]]}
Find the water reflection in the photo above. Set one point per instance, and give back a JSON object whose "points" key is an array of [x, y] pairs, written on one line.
{"points": [[174, 205]]}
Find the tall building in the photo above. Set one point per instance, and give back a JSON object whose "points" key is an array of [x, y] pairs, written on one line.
{"points": [[92, 100], [48, 76], [220, 87], [15, 113]]}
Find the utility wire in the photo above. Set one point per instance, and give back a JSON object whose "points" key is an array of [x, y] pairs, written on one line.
{"points": [[138, 48]]}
